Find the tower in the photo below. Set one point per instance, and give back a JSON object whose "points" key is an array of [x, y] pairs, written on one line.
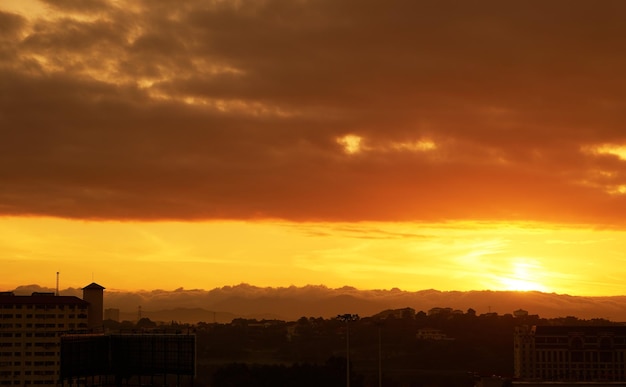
{"points": [[94, 295]]}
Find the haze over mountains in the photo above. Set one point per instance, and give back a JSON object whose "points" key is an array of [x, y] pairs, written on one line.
{"points": [[290, 303]]}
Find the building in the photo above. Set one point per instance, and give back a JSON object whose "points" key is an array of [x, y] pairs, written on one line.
{"points": [[30, 330], [432, 334], [136, 359], [570, 354]]}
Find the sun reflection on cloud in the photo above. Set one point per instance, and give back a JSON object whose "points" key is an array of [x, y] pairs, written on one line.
{"points": [[415, 146], [618, 190], [351, 143], [524, 275], [609, 149]]}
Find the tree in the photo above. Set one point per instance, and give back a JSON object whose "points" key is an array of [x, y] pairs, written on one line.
{"points": [[145, 323]]}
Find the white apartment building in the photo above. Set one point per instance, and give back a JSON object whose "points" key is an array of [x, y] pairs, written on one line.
{"points": [[30, 331]]}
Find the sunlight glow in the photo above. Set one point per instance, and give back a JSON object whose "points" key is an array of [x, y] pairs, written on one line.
{"points": [[611, 149], [351, 143], [415, 146], [618, 190], [525, 276], [372, 255]]}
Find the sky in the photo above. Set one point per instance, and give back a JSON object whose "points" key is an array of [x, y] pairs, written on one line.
{"points": [[413, 144]]}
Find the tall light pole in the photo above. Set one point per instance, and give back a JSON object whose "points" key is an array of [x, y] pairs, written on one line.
{"points": [[347, 318], [380, 357]]}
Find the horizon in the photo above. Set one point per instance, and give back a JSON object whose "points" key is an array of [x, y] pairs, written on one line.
{"points": [[366, 255], [292, 303], [31, 287], [409, 145]]}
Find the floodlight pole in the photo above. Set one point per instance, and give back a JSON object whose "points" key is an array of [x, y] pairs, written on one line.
{"points": [[380, 374], [347, 318]]}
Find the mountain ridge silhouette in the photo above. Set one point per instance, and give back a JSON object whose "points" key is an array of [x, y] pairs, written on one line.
{"points": [[290, 303]]}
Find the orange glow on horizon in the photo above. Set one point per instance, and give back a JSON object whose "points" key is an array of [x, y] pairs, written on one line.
{"points": [[204, 255]]}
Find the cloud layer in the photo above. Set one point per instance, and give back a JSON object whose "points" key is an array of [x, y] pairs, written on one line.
{"points": [[314, 301], [315, 110]]}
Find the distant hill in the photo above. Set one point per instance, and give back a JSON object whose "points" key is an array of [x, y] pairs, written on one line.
{"points": [[290, 303]]}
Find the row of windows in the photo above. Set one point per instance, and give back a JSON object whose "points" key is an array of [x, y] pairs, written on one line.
{"points": [[28, 382], [30, 334], [28, 353], [606, 375], [41, 315], [18, 373], [578, 356], [48, 344], [28, 363], [41, 325], [43, 306], [580, 341]]}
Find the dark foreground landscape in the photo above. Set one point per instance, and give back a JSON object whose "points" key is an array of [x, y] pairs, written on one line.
{"points": [[402, 347]]}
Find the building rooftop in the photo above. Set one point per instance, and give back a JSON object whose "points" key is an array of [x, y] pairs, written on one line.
{"points": [[41, 299], [94, 285]]}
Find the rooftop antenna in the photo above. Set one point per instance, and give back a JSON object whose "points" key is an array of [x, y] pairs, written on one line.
{"points": [[57, 292]]}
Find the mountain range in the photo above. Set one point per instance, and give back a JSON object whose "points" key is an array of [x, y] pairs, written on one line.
{"points": [[290, 303]]}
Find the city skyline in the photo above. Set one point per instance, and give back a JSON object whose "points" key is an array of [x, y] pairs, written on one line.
{"points": [[409, 145]]}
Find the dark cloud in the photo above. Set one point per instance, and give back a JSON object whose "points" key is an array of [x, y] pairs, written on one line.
{"points": [[10, 25], [196, 110]]}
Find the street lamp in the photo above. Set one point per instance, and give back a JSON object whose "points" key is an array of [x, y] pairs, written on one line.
{"points": [[379, 324], [347, 318]]}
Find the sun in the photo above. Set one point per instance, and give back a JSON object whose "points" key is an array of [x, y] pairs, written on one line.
{"points": [[525, 275]]}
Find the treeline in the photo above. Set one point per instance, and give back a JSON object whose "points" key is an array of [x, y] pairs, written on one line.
{"points": [[400, 347]]}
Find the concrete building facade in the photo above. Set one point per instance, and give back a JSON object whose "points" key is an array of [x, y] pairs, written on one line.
{"points": [[582, 354], [30, 331]]}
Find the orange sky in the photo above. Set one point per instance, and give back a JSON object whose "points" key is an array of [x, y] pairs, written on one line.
{"points": [[405, 144], [409, 256]]}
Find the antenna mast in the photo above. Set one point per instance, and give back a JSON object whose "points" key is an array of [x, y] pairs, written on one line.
{"points": [[57, 292]]}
